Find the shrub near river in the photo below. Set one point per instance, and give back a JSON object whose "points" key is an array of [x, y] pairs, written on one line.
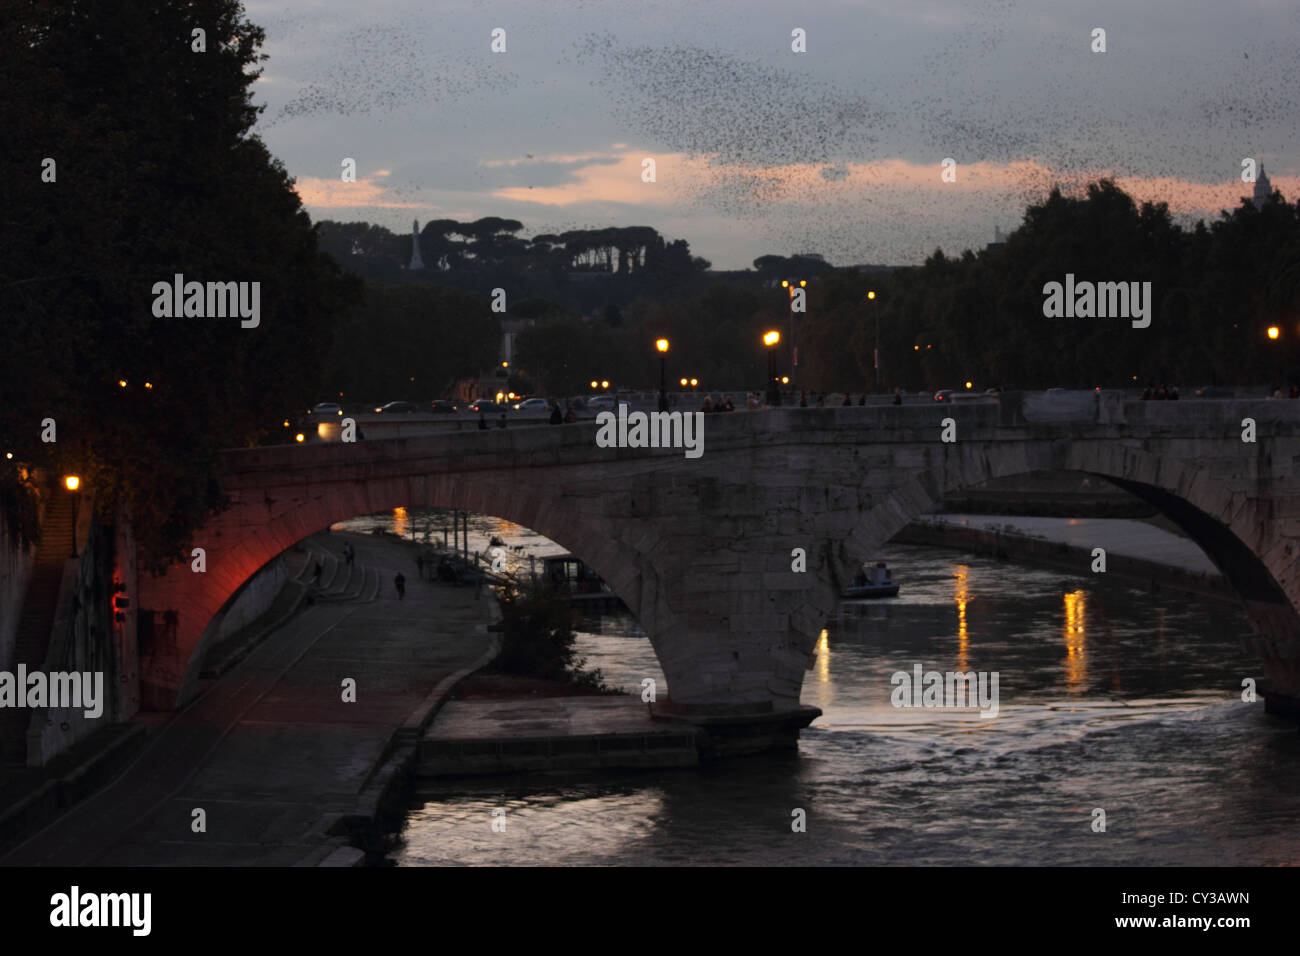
{"points": [[537, 640]]}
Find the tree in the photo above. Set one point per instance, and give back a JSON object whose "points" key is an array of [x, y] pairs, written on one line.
{"points": [[157, 174]]}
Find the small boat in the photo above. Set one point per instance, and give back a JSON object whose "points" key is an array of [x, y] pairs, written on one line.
{"points": [[871, 583]]}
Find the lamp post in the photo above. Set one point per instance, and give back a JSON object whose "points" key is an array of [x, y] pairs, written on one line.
{"points": [[770, 339], [662, 346], [794, 351], [871, 295], [72, 483]]}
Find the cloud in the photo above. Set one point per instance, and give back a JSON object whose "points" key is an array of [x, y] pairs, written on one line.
{"points": [[366, 192]]}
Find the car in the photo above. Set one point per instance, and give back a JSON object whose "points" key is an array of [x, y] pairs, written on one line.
{"points": [[601, 401], [1214, 391], [533, 405], [442, 405], [945, 394], [327, 408], [486, 405], [396, 408]]}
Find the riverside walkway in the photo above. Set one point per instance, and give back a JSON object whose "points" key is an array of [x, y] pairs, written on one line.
{"points": [[270, 752]]}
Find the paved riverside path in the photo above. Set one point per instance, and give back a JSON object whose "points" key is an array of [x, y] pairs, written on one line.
{"points": [[270, 751]]}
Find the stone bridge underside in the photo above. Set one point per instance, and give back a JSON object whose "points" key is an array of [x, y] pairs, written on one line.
{"points": [[700, 549]]}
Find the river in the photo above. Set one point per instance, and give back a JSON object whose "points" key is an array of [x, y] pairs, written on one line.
{"points": [[1111, 698]]}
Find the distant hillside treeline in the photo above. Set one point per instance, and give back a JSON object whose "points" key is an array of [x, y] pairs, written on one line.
{"points": [[486, 254], [979, 316]]}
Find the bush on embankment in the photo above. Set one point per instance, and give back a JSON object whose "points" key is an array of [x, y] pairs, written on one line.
{"points": [[537, 638]]}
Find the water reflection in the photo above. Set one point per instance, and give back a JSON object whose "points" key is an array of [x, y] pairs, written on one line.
{"points": [[962, 595], [1076, 642]]}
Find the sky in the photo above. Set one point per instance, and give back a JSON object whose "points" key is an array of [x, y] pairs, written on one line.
{"points": [[762, 150]]}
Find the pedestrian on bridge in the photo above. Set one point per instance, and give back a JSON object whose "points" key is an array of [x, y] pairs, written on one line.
{"points": [[399, 582], [349, 552]]}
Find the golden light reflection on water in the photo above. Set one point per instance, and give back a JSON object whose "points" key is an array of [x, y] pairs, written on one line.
{"points": [[822, 667], [961, 595], [1076, 642], [401, 522]]}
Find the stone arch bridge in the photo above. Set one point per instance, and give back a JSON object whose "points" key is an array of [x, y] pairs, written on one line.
{"points": [[700, 549]]}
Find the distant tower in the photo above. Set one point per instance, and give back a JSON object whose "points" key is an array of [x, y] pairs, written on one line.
{"points": [[1263, 189], [416, 261]]}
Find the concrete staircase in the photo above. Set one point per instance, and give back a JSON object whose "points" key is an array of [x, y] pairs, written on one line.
{"points": [[37, 620], [341, 583]]}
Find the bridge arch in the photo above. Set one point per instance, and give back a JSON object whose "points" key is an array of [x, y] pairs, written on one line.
{"points": [[561, 519], [1234, 531]]}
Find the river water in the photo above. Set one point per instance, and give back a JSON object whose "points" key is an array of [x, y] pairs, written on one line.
{"points": [[1110, 698]]}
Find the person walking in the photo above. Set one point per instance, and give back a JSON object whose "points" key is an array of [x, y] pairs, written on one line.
{"points": [[556, 417], [848, 400], [348, 552], [898, 397], [569, 416], [803, 398], [399, 582]]}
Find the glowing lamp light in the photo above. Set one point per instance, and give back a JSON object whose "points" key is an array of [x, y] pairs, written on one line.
{"points": [[871, 294], [785, 283], [299, 437], [661, 345], [803, 282], [695, 381], [503, 365], [968, 384], [148, 384], [916, 348], [785, 379], [71, 482], [683, 382], [9, 455], [121, 382], [286, 423], [1274, 331], [771, 338], [604, 384], [594, 384]]}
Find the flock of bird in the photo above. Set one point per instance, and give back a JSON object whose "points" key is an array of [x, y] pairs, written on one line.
{"points": [[1000, 88]]}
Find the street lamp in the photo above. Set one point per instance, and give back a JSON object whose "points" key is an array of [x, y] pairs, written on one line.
{"points": [[770, 339], [1274, 331], [662, 346], [72, 483], [794, 351], [871, 295]]}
